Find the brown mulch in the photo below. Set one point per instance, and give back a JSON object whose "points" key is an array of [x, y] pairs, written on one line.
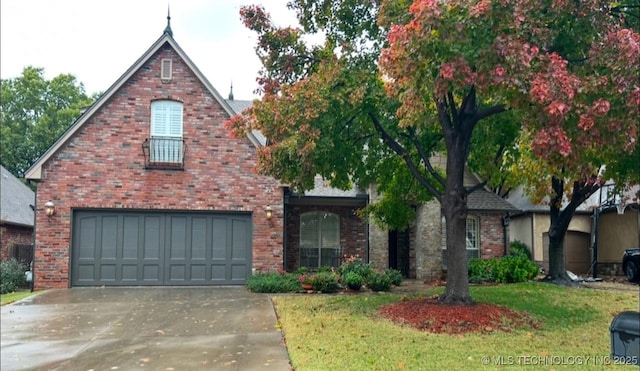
{"points": [[432, 316]]}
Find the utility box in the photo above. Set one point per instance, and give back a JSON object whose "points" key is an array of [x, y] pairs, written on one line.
{"points": [[625, 337]]}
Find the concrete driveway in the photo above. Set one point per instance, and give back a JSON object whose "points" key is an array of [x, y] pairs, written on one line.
{"points": [[181, 328]]}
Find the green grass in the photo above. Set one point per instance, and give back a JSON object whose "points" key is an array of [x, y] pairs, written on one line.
{"points": [[327, 332], [14, 296]]}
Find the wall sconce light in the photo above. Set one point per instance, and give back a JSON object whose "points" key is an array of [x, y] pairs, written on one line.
{"points": [[49, 208], [268, 211]]}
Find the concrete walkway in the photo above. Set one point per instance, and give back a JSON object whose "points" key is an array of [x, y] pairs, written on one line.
{"points": [[200, 328]]}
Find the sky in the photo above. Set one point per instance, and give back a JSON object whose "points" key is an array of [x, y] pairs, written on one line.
{"points": [[97, 41]]}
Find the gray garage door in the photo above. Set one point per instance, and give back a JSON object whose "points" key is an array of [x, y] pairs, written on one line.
{"points": [[116, 248]]}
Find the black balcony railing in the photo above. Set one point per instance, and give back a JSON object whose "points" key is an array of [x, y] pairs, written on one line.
{"points": [[164, 153]]}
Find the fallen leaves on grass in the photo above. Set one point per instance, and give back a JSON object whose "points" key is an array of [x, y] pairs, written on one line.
{"points": [[432, 316]]}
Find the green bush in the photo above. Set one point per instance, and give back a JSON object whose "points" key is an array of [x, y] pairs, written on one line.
{"points": [[479, 271], [395, 276], [356, 265], [11, 275], [378, 282], [508, 269], [273, 282], [326, 282], [518, 248], [353, 280]]}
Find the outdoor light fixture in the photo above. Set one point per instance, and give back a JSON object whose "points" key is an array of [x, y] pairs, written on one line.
{"points": [[268, 211], [49, 208]]}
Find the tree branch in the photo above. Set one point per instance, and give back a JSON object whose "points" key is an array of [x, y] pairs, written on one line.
{"points": [[398, 149]]}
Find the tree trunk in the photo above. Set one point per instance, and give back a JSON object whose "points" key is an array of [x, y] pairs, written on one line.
{"points": [[560, 220], [454, 209]]}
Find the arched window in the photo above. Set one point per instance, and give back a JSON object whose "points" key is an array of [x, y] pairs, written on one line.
{"points": [[319, 239], [166, 131]]}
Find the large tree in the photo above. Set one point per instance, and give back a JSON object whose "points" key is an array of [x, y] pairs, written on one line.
{"points": [[325, 111], [562, 65], [342, 108], [34, 113]]}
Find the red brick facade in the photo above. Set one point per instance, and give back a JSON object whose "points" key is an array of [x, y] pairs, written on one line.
{"points": [[491, 235], [353, 232], [12, 234], [102, 166]]}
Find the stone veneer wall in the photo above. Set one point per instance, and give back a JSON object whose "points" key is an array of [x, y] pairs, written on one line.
{"points": [[428, 242]]}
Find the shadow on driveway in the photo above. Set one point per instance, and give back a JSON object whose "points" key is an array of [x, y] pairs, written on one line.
{"points": [[156, 328]]}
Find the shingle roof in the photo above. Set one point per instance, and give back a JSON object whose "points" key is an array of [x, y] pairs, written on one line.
{"points": [[15, 200], [239, 105], [482, 199]]}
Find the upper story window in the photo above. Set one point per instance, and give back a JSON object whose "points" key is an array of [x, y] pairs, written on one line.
{"points": [[165, 147]]}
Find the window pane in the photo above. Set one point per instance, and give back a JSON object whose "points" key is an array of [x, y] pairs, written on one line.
{"points": [[308, 230], [166, 118], [330, 231]]}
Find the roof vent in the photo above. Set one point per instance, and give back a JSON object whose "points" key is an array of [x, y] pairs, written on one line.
{"points": [[166, 73]]}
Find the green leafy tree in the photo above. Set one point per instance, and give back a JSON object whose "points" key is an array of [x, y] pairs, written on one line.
{"points": [[325, 111], [34, 113], [411, 79], [561, 66]]}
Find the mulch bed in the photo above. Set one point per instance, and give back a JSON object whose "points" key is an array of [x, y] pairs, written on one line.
{"points": [[432, 316]]}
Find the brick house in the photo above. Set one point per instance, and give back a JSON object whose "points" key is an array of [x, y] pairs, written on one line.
{"points": [[150, 188], [16, 216], [420, 251]]}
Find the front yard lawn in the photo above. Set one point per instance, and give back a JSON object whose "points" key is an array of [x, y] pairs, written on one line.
{"points": [[10, 297], [569, 329]]}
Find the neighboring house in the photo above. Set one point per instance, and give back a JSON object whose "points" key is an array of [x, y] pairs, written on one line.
{"points": [[609, 235], [16, 216], [150, 188]]}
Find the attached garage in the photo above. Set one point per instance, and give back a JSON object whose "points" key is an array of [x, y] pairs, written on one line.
{"points": [[151, 248]]}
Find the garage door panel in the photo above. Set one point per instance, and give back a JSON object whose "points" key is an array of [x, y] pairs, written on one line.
{"points": [[240, 240], [178, 229], [109, 237], [131, 237], [159, 248], [198, 238], [87, 237], [219, 240]]}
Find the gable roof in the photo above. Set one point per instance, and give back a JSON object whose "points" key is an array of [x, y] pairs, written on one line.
{"points": [[35, 171], [16, 200]]}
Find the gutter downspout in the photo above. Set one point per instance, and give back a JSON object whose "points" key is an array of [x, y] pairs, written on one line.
{"points": [[33, 238]]}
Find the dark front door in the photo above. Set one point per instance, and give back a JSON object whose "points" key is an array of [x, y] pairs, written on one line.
{"points": [[115, 248], [399, 251]]}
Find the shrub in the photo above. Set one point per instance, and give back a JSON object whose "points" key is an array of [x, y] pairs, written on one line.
{"points": [[326, 282], [518, 248], [479, 271], [353, 280], [378, 282], [395, 276], [508, 269], [11, 275], [273, 282], [356, 265]]}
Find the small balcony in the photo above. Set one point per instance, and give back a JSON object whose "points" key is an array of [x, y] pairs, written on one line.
{"points": [[164, 153]]}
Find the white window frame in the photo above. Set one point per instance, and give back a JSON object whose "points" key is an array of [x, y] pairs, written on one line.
{"points": [[166, 131], [472, 238], [320, 241]]}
